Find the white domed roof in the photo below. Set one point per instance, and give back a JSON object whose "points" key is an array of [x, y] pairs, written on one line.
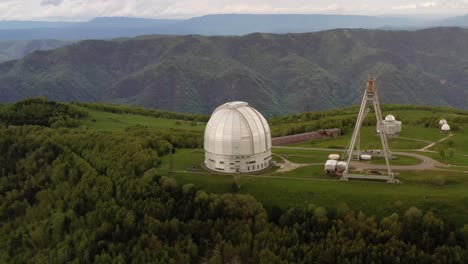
{"points": [[442, 122], [445, 127], [390, 118], [235, 128]]}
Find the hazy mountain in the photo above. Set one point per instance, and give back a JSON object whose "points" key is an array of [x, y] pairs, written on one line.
{"points": [[459, 21], [16, 49], [226, 24], [276, 73]]}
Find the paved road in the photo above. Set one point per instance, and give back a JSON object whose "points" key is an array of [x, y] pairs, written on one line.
{"points": [[427, 163]]}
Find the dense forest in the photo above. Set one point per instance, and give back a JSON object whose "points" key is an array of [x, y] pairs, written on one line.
{"points": [[74, 195]]}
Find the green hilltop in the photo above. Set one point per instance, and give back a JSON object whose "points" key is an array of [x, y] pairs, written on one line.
{"points": [[105, 183], [277, 74]]}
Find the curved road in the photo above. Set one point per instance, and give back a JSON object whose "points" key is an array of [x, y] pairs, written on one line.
{"points": [[427, 163]]}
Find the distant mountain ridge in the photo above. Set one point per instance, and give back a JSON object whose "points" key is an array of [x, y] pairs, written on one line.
{"points": [[216, 24], [277, 74], [17, 49]]}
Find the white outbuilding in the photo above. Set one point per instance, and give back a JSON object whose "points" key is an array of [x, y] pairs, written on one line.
{"points": [[442, 122], [237, 139], [330, 166]]}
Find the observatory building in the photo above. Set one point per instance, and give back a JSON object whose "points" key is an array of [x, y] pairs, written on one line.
{"points": [[392, 127], [237, 139], [442, 122], [445, 128]]}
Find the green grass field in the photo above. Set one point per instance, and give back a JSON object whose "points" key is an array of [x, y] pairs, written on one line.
{"points": [[397, 160], [411, 137], [110, 121], [442, 192]]}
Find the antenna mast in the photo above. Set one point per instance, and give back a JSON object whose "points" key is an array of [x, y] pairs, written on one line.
{"points": [[353, 150]]}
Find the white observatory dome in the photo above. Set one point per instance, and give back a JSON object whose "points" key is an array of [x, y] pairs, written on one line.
{"points": [[445, 127], [237, 139], [390, 118], [442, 122]]}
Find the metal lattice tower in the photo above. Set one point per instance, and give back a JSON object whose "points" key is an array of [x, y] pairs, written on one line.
{"points": [[353, 152]]}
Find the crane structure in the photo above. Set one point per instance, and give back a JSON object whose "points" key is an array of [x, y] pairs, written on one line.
{"points": [[353, 152]]}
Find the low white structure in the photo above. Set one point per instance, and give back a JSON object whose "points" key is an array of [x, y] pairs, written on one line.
{"points": [[330, 166], [237, 139], [445, 128], [341, 166], [366, 157], [333, 157], [391, 126]]}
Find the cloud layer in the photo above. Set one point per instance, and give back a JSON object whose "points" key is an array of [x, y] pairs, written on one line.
{"points": [[85, 9]]}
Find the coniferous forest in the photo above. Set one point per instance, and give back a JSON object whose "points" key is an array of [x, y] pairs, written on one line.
{"points": [[74, 195]]}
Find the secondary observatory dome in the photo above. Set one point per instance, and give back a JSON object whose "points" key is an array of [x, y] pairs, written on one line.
{"points": [[442, 122], [445, 127], [390, 118], [237, 139]]}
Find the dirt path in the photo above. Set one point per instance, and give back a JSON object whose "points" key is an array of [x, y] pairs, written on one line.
{"points": [[426, 148], [287, 165]]}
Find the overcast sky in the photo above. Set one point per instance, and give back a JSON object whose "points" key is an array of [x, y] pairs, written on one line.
{"points": [[86, 9]]}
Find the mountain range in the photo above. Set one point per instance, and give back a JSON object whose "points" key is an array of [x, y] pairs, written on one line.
{"points": [[276, 73], [216, 24]]}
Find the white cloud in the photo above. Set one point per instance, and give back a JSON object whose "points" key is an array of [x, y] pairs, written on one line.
{"points": [[86, 9], [51, 2]]}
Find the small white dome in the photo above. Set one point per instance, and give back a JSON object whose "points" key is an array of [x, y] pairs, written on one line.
{"points": [[445, 127], [442, 122], [390, 118], [333, 157]]}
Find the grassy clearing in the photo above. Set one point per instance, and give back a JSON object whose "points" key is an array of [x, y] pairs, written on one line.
{"points": [[397, 160], [304, 156], [111, 121], [440, 191], [411, 137]]}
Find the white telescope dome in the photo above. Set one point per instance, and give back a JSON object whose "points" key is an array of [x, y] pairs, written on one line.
{"points": [[237, 139], [390, 118], [445, 127], [442, 122]]}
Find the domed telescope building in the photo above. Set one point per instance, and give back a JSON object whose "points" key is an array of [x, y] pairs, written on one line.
{"points": [[392, 127], [445, 128], [237, 139]]}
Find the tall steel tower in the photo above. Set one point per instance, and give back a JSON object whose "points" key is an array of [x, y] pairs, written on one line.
{"points": [[353, 152]]}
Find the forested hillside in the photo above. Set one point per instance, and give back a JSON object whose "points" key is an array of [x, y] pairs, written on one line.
{"points": [[277, 74], [74, 194]]}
